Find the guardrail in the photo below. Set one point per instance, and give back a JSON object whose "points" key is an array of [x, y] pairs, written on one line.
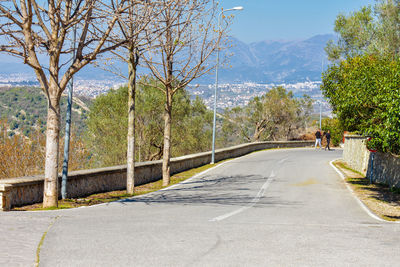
{"points": [[29, 190]]}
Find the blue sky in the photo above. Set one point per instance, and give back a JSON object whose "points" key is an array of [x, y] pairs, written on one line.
{"points": [[287, 19]]}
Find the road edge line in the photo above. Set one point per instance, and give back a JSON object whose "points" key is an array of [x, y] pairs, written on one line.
{"points": [[360, 203]]}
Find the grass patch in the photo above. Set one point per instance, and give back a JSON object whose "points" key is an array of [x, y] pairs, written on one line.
{"points": [[107, 197], [342, 165], [382, 200]]}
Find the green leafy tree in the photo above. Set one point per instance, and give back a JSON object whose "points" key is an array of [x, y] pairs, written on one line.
{"points": [[106, 133], [276, 115], [107, 124], [334, 126], [364, 93]]}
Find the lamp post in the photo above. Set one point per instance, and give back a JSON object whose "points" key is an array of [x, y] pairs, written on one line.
{"points": [[216, 82], [320, 115], [68, 127]]}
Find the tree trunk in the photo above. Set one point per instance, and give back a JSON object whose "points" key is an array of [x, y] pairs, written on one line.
{"points": [[167, 139], [130, 174], [50, 192], [260, 128]]}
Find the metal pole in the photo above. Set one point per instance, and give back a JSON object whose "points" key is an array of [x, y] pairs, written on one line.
{"points": [[216, 83], [372, 167], [68, 128], [320, 115], [215, 96]]}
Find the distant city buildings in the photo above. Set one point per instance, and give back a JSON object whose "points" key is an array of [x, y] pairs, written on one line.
{"points": [[229, 95]]}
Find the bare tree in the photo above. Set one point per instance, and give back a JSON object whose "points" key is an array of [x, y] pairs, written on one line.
{"points": [[31, 28], [181, 53], [134, 26]]}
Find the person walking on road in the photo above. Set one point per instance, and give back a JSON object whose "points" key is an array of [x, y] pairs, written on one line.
{"points": [[328, 139], [318, 139]]}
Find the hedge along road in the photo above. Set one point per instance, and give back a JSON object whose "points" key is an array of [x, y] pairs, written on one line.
{"points": [[276, 207]]}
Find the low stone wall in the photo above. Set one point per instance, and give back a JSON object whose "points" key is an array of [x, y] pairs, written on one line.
{"points": [[383, 168], [355, 153], [28, 190]]}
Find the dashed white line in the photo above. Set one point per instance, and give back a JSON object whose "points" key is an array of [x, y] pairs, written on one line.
{"points": [[282, 160]]}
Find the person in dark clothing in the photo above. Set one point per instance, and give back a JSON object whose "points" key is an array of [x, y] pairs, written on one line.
{"points": [[328, 139], [318, 139]]}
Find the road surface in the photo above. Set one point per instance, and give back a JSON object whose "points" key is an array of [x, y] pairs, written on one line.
{"points": [[270, 208]]}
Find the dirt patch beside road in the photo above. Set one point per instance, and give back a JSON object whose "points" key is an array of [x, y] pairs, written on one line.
{"points": [[380, 199]]}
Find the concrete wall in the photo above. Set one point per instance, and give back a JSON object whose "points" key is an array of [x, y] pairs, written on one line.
{"points": [[383, 168], [28, 190]]}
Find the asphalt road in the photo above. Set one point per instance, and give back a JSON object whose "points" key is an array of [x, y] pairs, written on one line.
{"points": [[270, 208]]}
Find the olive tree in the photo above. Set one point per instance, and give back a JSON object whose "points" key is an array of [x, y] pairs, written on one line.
{"points": [[371, 30]]}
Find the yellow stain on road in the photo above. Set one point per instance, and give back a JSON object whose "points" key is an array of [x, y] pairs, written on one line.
{"points": [[307, 182]]}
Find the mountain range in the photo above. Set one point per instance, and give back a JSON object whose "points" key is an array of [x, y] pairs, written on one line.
{"points": [[277, 61], [262, 62]]}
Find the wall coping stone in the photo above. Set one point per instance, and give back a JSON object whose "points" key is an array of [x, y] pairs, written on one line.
{"points": [[354, 136], [26, 180]]}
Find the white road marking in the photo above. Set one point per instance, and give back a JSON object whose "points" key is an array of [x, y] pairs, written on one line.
{"points": [[362, 205], [260, 194], [282, 160]]}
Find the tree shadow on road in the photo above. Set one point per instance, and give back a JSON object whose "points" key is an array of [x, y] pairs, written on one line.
{"points": [[238, 190]]}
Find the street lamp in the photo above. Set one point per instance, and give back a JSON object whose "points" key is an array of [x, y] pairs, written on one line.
{"points": [[64, 176], [320, 112], [320, 115], [216, 82]]}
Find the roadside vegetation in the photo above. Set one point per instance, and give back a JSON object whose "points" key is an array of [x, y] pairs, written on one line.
{"points": [[25, 110], [336, 129], [276, 115], [192, 122], [22, 155]]}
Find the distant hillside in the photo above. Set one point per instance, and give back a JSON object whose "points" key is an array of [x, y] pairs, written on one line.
{"points": [[25, 109]]}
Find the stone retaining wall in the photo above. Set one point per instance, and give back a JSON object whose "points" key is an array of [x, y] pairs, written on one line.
{"points": [[28, 190], [355, 153], [383, 168]]}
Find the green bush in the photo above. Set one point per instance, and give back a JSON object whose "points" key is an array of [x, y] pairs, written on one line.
{"points": [[364, 93], [336, 129]]}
